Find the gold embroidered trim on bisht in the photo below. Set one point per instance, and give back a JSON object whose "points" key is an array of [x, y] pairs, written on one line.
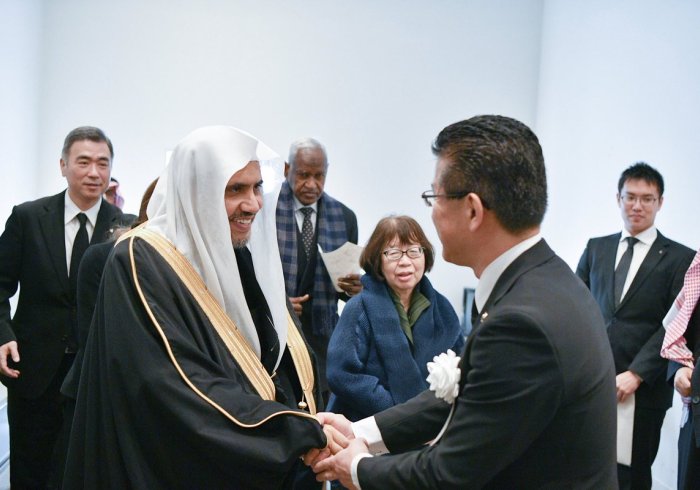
{"points": [[302, 363], [235, 342]]}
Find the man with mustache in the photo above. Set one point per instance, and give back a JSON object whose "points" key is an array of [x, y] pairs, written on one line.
{"points": [[307, 218], [194, 374]]}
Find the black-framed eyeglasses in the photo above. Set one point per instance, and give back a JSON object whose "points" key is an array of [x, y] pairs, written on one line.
{"points": [[395, 254], [429, 196]]}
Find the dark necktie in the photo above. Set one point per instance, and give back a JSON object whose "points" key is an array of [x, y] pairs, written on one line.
{"points": [[307, 230], [80, 244], [623, 268]]}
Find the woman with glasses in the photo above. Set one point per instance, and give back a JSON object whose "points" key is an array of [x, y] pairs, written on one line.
{"points": [[387, 334]]}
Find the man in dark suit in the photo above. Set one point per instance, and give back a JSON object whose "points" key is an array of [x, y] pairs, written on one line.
{"points": [[634, 277], [39, 251], [306, 218], [534, 403]]}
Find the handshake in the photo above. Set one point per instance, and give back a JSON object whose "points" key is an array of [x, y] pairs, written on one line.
{"points": [[334, 462]]}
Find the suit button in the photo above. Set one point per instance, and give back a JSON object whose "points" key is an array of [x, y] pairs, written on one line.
{"points": [[695, 399], [64, 338]]}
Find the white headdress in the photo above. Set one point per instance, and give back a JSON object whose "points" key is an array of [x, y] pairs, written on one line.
{"points": [[187, 208]]}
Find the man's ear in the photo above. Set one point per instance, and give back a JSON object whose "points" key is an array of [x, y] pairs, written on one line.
{"points": [[286, 169], [475, 210], [63, 167]]}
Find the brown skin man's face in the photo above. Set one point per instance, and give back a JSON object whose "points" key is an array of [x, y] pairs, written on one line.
{"points": [[308, 176], [243, 200]]}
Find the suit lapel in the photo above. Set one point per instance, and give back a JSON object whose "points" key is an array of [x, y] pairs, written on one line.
{"points": [[533, 257], [607, 266], [656, 254], [53, 229], [104, 222]]}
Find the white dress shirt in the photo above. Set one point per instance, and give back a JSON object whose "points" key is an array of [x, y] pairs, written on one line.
{"points": [[641, 249]]}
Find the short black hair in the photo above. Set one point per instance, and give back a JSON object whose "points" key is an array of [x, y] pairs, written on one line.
{"points": [[499, 159], [642, 171], [85, 133]]}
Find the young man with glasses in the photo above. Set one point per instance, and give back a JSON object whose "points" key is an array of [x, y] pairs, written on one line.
{"points": [[634, 276]]}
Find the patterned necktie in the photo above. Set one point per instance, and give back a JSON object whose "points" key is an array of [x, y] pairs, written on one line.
{"points": [[674, 346], [623, 268], [80, 244], [307, 229]]}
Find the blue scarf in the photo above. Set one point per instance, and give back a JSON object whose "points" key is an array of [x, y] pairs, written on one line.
{"points": [[331, 234]]}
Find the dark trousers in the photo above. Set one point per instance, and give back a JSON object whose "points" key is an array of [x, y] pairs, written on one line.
{"points": [[645, 444], [35, 424], [688, 457]]}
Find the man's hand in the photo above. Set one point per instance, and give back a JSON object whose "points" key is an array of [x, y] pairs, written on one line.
{"points": [[336, 442], [297, 303], [626, 384], [682, 381], [9, 350], [339, 467], [338, 422], [350, 284]]}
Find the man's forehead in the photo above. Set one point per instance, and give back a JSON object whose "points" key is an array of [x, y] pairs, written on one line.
{"points": [[248, 174], [87, 147]]}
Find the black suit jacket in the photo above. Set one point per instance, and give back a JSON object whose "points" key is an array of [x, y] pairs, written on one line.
{"points": [[536, 407], [33, 256], [634, 327], [89, 277]]}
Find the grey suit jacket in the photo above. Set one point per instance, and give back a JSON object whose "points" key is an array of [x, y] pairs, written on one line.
{"points": [[536, 407], [33, 257]]}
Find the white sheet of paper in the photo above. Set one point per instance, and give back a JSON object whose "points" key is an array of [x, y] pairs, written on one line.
{"points": [[625, 426], [342, 261]]}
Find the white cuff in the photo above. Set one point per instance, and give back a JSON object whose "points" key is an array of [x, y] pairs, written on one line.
{"points": [[368, 430], [353, 468]]}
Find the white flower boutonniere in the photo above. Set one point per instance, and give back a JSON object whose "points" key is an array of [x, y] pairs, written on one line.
{"points": [[444, 376]]}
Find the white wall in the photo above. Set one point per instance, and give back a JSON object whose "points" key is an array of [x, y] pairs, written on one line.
{"points": [[20, 71], [618, 84], [602, 83], [374, 81]]}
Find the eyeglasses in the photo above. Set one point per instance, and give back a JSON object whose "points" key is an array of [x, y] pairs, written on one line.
{"points": [[646, 200], [395, 254], [429, 196]]}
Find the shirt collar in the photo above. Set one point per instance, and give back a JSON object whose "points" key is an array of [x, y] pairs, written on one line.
{"points": [[493, 271], [72, 210], [298, 205], [647, 237]]}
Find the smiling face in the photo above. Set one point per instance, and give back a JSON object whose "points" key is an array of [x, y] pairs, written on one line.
{"points": [[87, 170], [403, 275], [639, 201], [243, 199]]}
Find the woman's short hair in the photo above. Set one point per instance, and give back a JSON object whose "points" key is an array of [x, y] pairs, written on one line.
{"points": [[407, 230]]}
